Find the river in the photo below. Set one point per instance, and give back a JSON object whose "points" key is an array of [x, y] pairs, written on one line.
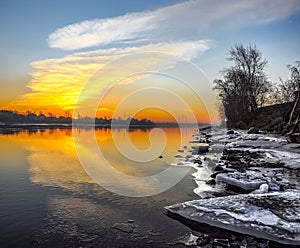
{"points": [[48, 200]]}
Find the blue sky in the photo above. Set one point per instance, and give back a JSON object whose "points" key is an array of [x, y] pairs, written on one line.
{"points": [[25, 26], [201, 31]]}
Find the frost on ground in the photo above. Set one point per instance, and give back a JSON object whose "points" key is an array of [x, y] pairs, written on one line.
{"points": [[235, 163], [274, 216]]}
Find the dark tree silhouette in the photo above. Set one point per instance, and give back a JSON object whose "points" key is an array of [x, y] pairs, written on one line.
{"points": [[244, 86], [8, 117]]}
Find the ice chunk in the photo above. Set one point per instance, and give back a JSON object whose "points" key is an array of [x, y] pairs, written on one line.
{"points": [[264, 188], [274, 216], [235, 179]]}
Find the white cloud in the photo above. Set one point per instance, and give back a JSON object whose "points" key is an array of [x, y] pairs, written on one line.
{"points": [[100, 31], [189, 20], [186, 49]]}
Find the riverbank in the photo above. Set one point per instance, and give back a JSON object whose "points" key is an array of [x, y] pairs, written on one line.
{"points": [[253, 188], [282, 119]]}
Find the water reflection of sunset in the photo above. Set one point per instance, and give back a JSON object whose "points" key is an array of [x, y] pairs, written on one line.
{"points": [[53, 160]]}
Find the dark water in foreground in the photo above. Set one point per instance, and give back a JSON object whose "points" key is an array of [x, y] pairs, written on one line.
{"points": [[47, 199]]}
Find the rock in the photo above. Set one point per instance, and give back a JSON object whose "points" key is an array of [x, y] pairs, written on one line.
{"points": [[230, 132], [197, 161], [213, 175], [211, 182], [219, 168], [178, 156], [253, 130]]}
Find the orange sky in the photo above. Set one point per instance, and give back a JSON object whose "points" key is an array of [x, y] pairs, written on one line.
{"points": [[56, 84], [69, 47]]}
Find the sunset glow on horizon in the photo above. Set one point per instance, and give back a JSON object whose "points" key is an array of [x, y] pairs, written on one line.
{"points": [[56, 84], [65, 53]]}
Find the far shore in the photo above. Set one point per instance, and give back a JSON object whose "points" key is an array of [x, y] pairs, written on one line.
{"points": [[92, 125]]}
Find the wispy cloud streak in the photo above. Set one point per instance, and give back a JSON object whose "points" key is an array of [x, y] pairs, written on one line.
{"points": [[189, 20]]}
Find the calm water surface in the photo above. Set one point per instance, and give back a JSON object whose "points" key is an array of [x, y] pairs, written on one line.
{"points": [[48, 200]]}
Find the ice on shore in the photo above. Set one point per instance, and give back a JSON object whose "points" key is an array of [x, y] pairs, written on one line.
{"points": [[264, 188], [251, 179], [264, 165], [274, 216], [239, 180]]}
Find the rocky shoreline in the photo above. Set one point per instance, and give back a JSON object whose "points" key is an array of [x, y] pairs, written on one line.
{"points": [[248, 183]]}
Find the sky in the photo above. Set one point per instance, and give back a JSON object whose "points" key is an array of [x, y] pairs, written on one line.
{"points": [[88, 56]]}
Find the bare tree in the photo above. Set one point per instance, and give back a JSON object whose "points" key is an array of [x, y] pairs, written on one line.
{"points": [[289, 87], [244, 86]]}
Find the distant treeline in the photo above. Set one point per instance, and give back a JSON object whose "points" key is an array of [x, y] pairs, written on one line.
{"points": [[8, 117]]}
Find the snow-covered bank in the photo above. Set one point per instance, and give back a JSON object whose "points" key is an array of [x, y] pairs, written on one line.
{"points": [[248, 183]]}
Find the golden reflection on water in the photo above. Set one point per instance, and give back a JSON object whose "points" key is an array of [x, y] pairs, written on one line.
{"points": [[53, 160]]}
